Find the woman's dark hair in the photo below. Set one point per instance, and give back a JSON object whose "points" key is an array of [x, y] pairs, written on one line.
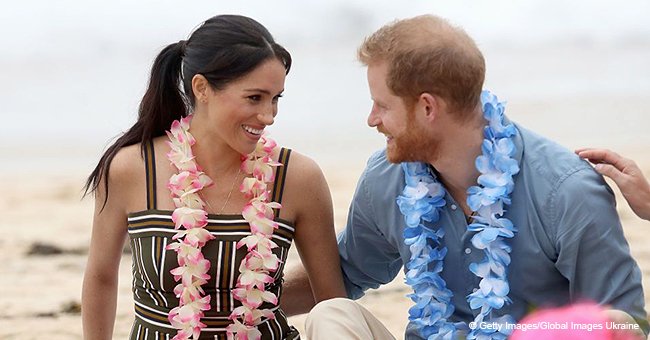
{"points": [[223, 49]]}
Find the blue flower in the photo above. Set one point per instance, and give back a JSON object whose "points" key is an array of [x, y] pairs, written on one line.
{"points": [[421, 201], [500, 253], [494, 284], [478, 196], [482, 240], [480, 269]]}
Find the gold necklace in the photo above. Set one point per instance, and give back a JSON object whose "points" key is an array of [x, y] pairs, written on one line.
{"points": [[232, 186]]}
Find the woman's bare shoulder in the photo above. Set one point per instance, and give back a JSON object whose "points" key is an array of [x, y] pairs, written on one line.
{"points": [[305, 182], [125, 175], [302, 169], [127, 165]]}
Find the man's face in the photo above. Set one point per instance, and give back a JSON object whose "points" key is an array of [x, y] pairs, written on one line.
{"points": [[406, 140]]}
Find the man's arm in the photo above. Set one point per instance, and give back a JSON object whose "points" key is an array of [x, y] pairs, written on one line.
{"points": [[627, 176], [368, 259], [592, 251]]}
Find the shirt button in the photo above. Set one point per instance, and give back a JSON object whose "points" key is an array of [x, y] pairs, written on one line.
{"points": [[453, 207], [468, 251]]}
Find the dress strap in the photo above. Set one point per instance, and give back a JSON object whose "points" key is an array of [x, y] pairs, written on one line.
{"points": [[150, 168], [280, 174]]}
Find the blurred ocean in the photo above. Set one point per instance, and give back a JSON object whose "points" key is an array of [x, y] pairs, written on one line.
{"points": [[72, 72]]}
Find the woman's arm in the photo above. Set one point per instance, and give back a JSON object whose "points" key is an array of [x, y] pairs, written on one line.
{"points": [[315, 237], [99, 292]]}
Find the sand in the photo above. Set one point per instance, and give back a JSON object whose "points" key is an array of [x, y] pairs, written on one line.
{"points": [[40, 295]]}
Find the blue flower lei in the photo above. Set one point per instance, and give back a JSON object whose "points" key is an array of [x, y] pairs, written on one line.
{"points": [[421, 201]]}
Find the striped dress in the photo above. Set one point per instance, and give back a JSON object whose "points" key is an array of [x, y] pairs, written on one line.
{"points": [[151, 230]]}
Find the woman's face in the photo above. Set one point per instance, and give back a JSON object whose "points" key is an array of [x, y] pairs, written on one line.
{"points": [[241, 111]]}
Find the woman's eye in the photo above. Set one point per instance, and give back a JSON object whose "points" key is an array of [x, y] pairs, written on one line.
{"points": [[255, 98], [277, 98]]}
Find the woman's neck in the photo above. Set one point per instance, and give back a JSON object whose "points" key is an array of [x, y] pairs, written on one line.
{"points": [[212, 153]]}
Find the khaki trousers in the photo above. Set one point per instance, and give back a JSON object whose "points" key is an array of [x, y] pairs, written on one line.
{"points": [[344, 319]]}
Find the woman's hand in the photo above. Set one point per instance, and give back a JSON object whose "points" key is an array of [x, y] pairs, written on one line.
{"points": [[626, 174]]}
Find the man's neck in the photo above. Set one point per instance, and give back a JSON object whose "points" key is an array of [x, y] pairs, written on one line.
{"points": [[456, 163]]}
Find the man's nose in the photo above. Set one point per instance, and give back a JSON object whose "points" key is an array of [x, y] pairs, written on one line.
{"points": [[373, 117]]}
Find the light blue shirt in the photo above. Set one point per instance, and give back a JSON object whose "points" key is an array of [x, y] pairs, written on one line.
{"points": [[569, 247]]}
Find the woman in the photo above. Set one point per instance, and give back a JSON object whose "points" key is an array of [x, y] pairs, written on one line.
{"points": [[208, 258]]}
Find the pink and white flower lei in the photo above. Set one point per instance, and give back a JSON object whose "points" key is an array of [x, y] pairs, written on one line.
{"points": [[190, 214], [260, 261]]}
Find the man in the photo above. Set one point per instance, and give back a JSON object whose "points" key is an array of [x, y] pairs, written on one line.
{"points": [[489, 219]]}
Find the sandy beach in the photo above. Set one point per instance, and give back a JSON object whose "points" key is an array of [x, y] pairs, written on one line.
{"points": [[41, 293]]}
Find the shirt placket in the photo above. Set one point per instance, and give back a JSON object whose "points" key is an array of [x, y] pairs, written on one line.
{"points": [[464, 248]]}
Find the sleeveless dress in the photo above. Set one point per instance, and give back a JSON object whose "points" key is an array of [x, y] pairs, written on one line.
{"points": [[151, 230]]}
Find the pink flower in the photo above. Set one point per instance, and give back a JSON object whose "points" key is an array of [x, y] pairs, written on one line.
{"points": [[178, 183], [265, 247], [191, 215], [262, 204], [249, 278], [181, 157], [257, 240], [251, 316], [183, 334], [239, 331], [262, 170], [252, 187], [266, 146], [191, 292], [262, 225], [180, 131], [253, 298], [260, 164], [260, 167], [187, 252], [190, 200], [183, 250], [257, 261], [187, 318], [585, 314], [189, 218], [193, 268], [196, 237], [259, 215], [188, 182]]}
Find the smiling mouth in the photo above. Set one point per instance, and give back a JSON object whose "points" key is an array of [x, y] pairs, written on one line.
{"points": [[388, 137], [257, 132]]}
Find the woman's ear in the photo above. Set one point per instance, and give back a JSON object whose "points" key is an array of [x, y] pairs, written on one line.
{"points": [[200, 87]]}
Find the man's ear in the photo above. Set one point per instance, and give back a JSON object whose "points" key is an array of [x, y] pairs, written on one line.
{"points": [[429, 104], [200, 87]]}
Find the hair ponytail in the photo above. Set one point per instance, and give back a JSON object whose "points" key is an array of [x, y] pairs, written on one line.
{"points": [[162, 103]]}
